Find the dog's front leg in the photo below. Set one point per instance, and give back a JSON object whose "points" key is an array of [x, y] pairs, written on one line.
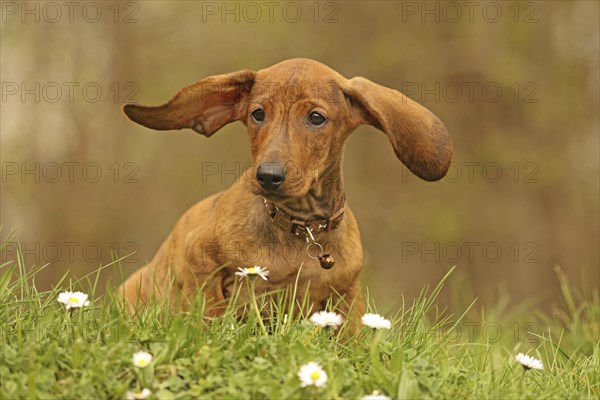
{"points": [[351, 305], [210, 285], [203, 275]]}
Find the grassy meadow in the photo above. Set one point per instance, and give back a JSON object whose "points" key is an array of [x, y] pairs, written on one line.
{"points": [[86, 353]]}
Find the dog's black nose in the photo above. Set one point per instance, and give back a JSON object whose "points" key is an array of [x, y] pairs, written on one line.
{"points": [[270, 176]]}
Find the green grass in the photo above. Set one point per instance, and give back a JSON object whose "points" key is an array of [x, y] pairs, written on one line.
{"points": [[48, 352]]}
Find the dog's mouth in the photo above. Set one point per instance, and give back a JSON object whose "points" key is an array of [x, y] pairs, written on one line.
{"points": [[283, 194], [272, 196]]}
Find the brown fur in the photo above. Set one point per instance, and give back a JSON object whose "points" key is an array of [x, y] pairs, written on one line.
{"points": [[231, 229]]}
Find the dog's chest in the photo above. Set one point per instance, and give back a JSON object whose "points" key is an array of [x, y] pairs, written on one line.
{"points": [[290, 260], [290, 266]]}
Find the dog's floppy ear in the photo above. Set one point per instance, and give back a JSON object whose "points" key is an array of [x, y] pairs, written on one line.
{"points": [[205, 106], [419, 138]]}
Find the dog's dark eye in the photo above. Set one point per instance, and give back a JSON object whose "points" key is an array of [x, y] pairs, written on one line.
{"points": [[258, 115], [316, 119]]}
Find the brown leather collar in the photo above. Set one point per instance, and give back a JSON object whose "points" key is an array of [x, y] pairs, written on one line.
{"points": [[298, 227]]}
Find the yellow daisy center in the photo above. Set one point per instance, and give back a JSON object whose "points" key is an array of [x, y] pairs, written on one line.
{"points": [[251, 270], [315, 376], [143, 362], [73, 300]]}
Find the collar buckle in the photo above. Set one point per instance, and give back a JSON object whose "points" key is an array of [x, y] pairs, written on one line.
{"points": [[297, 227]]}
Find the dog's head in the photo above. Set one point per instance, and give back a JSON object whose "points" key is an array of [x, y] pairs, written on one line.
{"points": [[299, 113]]}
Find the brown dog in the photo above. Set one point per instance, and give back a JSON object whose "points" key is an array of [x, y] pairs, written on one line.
{"points": [[298, 114]]}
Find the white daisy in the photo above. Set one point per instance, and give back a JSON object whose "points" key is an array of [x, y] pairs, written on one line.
{"points": [[375, 396], [141, 359], [376, 321], [144, 394], [529, 362], [312, 374], [326, 318], [252, 272], [73, 299]]}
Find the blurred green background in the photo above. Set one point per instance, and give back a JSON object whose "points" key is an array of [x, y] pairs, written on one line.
{"points": [[517, 85]]}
